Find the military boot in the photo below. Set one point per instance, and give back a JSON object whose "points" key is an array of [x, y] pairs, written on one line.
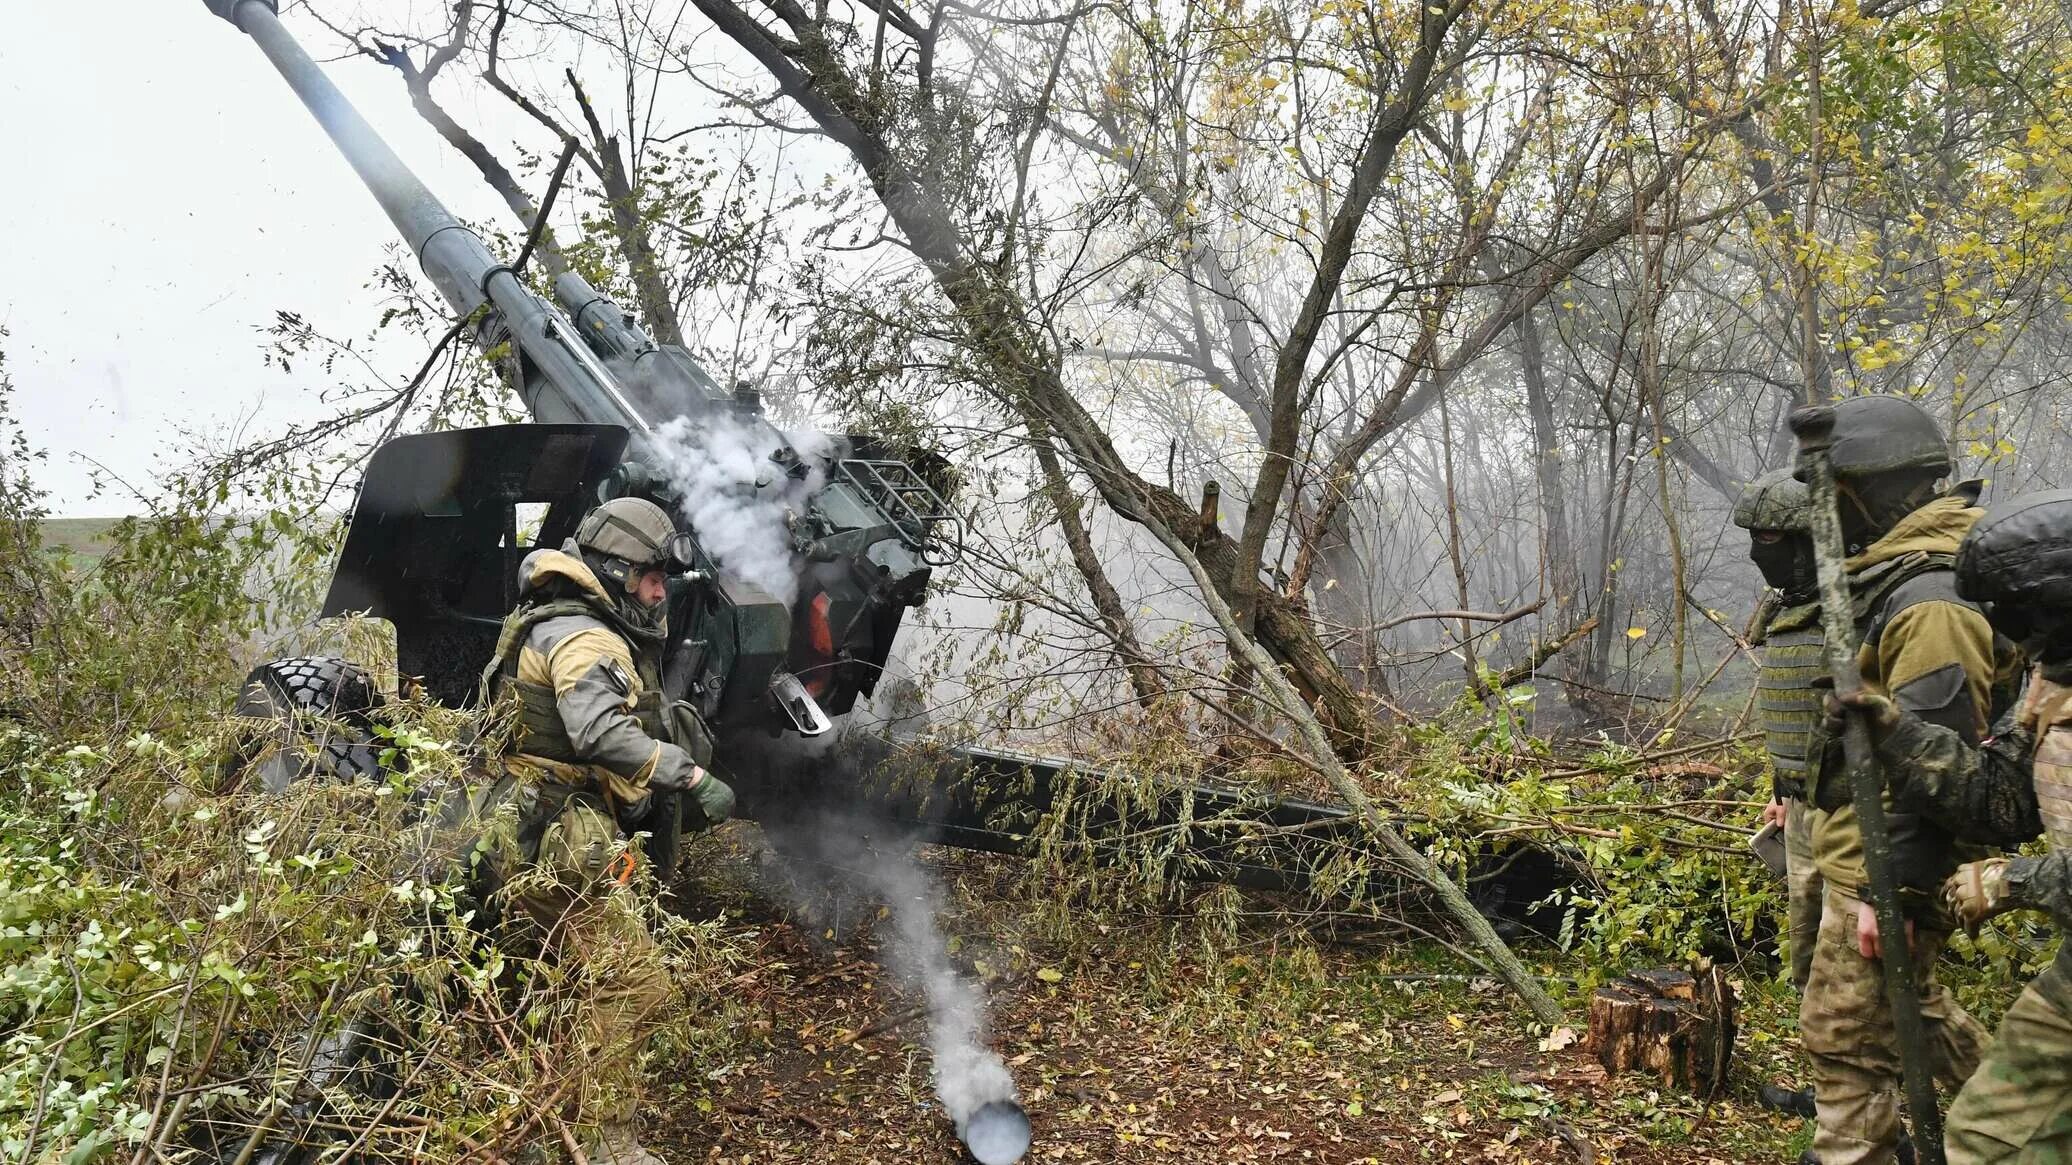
{"points": [[618, 1143], [1785, 1100]]}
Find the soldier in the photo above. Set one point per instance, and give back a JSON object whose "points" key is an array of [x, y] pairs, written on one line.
{"points": [[593, 761], [1935, 655], [1773, 511], [2017, 564]]}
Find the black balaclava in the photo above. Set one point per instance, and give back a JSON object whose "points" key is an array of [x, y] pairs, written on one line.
{"points": [[1872, 504], [1787, 565]]}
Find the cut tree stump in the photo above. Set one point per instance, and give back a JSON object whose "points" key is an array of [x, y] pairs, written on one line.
{"points": [[1676, 1025]]}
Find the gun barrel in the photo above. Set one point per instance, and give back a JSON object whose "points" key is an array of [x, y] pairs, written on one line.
{"points": [[566, 383]]}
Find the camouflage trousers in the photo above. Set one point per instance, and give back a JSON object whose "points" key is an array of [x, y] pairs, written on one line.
{"points": [[563, 903], [1803, 886], [2017, 1108], [1846, 1026]]}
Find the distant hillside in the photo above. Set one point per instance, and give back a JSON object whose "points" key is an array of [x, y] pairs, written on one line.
{"points": [[85, 539]]}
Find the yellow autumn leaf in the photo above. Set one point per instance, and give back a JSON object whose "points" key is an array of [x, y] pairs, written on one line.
{"points": [[1636, 632]]}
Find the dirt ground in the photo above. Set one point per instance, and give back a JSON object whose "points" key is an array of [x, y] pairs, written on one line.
{"points": [[1268, 1048]]}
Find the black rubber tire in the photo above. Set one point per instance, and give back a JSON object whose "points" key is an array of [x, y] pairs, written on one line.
{"points": [[321, 710]]}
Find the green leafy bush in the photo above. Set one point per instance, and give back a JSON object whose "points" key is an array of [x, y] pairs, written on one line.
{"points": [[177, 952]]}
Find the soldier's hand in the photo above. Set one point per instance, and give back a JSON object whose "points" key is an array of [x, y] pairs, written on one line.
{"points": [[1976, 892], [1869, 943], [1774, 814], [1880, 714], [715, 797]]}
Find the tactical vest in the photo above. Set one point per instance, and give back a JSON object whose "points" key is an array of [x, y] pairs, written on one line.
{"points": [[1788, 701], [1868, 590], [2047, 711], [1870, 587], [540, 731]]}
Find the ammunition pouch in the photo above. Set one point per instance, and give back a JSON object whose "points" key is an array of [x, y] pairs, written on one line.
{"points": [[647, 708], [516, 811], [540, 732], [688, 731]]}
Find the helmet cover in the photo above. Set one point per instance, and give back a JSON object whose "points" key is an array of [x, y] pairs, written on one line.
{"points": [[627, 532], [1885, 434], [1774, 501], [2016, 563]]}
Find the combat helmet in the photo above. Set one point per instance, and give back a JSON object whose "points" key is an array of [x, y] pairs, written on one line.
{"points": [[1888, 455], [1774, 501], [2016, 563], [625, 536], [1886, 434]]}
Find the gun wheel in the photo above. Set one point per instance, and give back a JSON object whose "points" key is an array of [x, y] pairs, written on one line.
{"points": [[310, 716]]}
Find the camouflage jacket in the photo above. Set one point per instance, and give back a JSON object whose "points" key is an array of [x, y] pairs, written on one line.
{"points": [[589, 704], [1938, 658], [1989, 793]]}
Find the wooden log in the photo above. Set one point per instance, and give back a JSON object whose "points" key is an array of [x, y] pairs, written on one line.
{"points": [[1676, 1025]]}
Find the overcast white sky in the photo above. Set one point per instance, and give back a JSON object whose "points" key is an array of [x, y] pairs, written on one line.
{"points": [[162, 193]]}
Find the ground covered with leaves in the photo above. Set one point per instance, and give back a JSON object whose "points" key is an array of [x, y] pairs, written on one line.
{"points": [[1203, 1038]]}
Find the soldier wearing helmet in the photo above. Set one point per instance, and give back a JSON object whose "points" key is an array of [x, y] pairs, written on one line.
{"points": [[1930, 651], [1773, 511], [2016, 564], [595, 759]]}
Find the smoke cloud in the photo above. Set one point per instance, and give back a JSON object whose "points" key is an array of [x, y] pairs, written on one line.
{"points": [[836, 856], [968, 1075], [735, 499]]}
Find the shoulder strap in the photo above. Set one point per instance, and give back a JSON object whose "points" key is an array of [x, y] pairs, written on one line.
{"points": [[503, 665], [1871, 589]]}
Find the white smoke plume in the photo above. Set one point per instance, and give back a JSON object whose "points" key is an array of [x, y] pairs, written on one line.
{"points": [[969, 1077], [735, 499]]}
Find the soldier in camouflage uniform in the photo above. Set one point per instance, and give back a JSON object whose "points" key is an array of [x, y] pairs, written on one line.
{"points": [[1934, 654], [1773, 511], [594, 760], [2017, 563]]}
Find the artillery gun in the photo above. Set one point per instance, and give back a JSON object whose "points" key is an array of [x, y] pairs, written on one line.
{"points": [[436, 538], [443, 520]]}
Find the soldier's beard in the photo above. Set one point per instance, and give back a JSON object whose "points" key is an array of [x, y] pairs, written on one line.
{"points": [[644, 617]]}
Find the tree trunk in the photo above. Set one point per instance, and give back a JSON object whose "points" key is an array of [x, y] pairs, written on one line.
{"points": [[1027, 377], [1057, 489], [1675, 1025], [656, 305]]}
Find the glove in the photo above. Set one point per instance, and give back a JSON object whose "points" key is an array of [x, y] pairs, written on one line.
{"points": [[1976, 892], [1880, 714], [714, 798]]}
